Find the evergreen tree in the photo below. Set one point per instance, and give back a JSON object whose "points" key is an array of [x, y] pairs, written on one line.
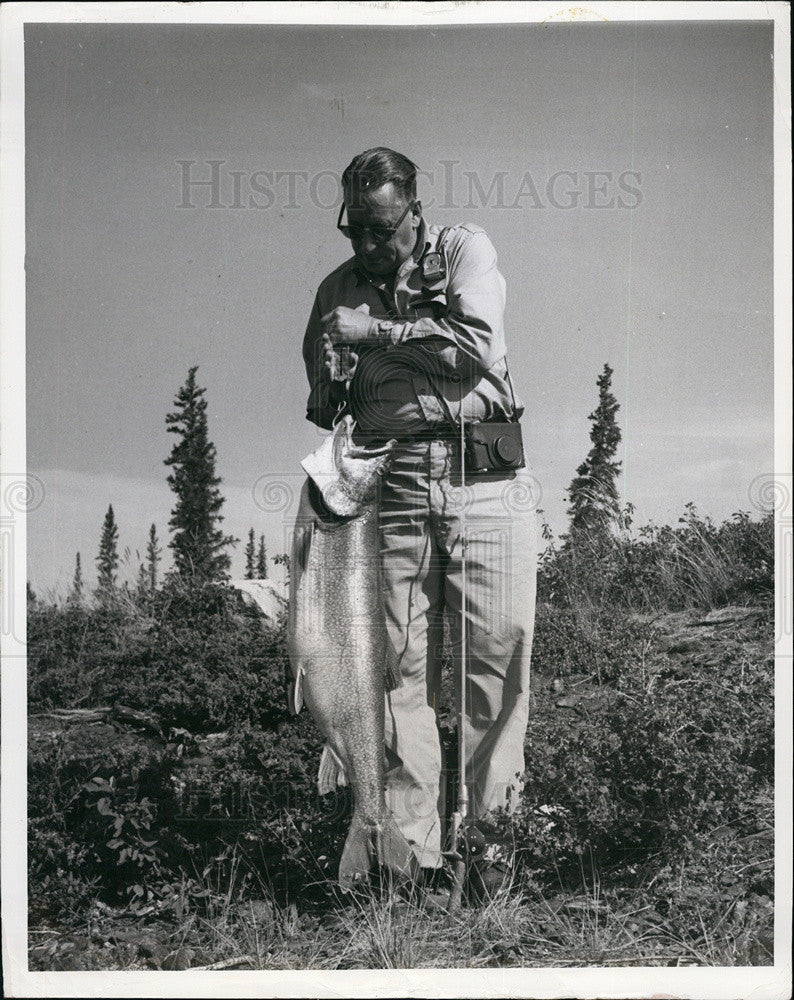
{"points": [[250, 552], [142, 583], [31, 593], [593, 494], [153, 552], [197, 542], [261, 559], [108, 559], [76, 594]]}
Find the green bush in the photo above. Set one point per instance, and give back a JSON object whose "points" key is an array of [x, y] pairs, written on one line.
{"points": [[100, 809], [602, 645], [128, 816], [264, 781], [73, 650]]}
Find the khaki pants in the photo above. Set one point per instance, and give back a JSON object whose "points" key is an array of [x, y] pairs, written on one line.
{"points": [[420, 519]]}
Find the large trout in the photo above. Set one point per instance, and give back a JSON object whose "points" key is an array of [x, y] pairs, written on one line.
{"points": [[340, 653]]}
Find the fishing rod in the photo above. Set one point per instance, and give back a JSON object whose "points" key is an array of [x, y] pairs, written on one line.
{"points": [[457, 852]]}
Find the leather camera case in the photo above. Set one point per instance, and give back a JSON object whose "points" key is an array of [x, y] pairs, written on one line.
{"points": [[494, 447]]}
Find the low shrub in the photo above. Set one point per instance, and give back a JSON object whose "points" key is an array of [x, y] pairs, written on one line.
{"points": [[630, 754], [100, 810], [602, 645], [696, 565], [649, 764], [198, 657], [73, 650]]}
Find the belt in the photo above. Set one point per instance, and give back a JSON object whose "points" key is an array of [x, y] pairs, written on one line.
{"points": [[441, 434]]}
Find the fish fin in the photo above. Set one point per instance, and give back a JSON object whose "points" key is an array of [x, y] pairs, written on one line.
{"points": [[301, 545], [331, 771], [358, 857], [394, 852], [392, 675], [295, 693]]}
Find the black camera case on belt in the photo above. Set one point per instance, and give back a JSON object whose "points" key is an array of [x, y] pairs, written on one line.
{"points": [[493, 447]]}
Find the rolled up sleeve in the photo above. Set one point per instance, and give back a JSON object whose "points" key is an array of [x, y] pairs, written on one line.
{"points": [[471, 333]]}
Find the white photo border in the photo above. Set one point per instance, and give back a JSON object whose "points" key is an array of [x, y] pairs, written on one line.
{"points": [[695, 983]]}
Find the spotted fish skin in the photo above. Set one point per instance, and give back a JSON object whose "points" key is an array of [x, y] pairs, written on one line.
{"points": [[340, 652]]}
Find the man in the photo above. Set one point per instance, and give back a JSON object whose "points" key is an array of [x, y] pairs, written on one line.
{"points": [[423, 310]]}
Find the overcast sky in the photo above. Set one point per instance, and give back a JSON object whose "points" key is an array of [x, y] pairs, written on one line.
{"points": [[623, 172]]}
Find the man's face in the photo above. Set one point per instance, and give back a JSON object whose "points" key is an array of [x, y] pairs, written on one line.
{"points": [[383, 206]]}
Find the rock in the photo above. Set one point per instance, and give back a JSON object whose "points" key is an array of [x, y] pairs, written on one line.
{"points": [[570, 702], [154, 950], [262, 594], [179, 960]]}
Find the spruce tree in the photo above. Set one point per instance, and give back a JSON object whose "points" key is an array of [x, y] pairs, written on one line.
{"points": [[250, 552], [197, 542], [142, 583], [108, 559], [593, 494], [76, 594], [153, 552], [261, 559]]}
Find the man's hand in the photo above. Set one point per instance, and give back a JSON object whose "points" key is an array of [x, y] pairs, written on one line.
{"points": [[345, 325], [331, 360]]}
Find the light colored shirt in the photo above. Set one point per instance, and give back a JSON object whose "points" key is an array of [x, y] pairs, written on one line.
{"points": [[438, 342]]}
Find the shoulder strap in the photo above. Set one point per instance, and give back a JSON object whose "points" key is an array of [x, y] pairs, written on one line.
{"points": [[440, 241], [512, 393], [442, 238]]}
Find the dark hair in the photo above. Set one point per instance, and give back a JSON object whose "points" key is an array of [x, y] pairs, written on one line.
{"points": [[375, 167]]}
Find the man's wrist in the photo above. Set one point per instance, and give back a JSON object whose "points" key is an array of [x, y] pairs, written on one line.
{"points": [[389, 332]]}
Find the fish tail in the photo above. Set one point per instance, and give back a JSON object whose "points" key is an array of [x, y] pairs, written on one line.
{"points": [[331, 771], [370, 847]]}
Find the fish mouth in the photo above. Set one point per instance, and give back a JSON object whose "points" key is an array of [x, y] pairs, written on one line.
{"points": [[343, 444], [365, 451], [347, 474]]}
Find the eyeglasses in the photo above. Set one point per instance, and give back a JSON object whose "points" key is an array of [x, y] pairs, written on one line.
{"points": [[379, 234]]}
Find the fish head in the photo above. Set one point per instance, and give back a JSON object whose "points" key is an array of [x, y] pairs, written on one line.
{"points": [[348, 474], [360, 467]]}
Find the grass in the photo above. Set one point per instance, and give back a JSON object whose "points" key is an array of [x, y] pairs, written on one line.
{"points": [[522, 926], [697, 564]]}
